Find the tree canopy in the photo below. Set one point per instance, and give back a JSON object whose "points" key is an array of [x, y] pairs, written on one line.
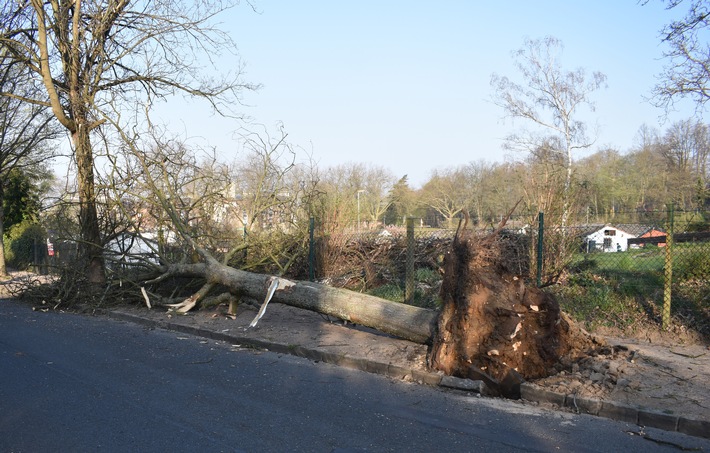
{"points": [[105, 62], [687, 71]]}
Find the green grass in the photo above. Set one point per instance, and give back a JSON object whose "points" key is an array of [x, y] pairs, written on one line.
{"points": [[623, 289], [649, 259]]}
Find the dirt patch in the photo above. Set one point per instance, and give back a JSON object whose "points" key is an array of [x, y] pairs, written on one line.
{"points": [[673, 379], [495, 327]]}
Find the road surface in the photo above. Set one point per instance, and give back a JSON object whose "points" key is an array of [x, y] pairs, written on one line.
{"points": [[79, 383]]}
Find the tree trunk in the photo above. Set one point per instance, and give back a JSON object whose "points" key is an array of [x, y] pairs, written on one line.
{"points": [[400, 320], [3, 266], [90, 246]]}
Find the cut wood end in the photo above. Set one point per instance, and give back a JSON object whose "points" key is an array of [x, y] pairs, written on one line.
{"points": [[145, 296]]}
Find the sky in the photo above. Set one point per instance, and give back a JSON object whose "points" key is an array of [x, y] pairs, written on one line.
{"points": [[405, 85]]}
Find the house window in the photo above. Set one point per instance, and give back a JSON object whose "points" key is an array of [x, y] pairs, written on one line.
{"points": [[607, 243], [609, 232]]}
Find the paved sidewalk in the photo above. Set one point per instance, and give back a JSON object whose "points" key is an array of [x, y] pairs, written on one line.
{"points": [[289, 330]]}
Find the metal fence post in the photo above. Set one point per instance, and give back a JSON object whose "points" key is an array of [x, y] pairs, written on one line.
{"points": [[311, 250], [409, 267], [668, 271], [540, 233]]}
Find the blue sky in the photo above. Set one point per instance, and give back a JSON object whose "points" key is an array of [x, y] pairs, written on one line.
{"points": [[406, 84]]}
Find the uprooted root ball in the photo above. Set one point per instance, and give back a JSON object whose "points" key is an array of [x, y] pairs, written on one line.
{"points": [[494, 326]]}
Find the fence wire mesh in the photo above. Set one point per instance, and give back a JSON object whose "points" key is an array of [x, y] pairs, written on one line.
{"points": [[622, 268], [650, 264], [382, 262]]}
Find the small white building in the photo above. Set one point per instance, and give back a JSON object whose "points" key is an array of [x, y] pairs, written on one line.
{"points": [[129, 248], [608, 239]]}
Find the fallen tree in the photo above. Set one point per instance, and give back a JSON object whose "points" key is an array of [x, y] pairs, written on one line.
{"points": [[403, 321], [491, 327]]}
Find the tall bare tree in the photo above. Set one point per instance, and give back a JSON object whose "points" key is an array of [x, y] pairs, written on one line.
{"points": [[25, 131], [551, 99], [98, 58], [375, 199], [260, 184]]}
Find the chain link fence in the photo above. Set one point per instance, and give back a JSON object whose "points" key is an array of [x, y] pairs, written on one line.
{"points": [[651, 264], [636, 264], [659, 264], [396, 263]]}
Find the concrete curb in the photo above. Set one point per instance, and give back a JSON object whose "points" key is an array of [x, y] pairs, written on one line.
{"points": [[529, 391], [618, 411], [360, 364]]}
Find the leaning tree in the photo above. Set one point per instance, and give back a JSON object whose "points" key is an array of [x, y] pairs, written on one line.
{"points": [[99, 59]]}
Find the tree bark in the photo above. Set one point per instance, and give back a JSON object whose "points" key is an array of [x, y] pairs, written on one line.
{"points": [[3, 266], [400, 320], [90, 246]]}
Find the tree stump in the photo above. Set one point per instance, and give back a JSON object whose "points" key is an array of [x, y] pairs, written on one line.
{"points": [[492, 326]]}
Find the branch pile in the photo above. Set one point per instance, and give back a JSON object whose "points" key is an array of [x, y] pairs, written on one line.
{"points": [[364, 261]]}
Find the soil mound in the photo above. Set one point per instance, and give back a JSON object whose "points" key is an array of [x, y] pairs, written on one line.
{"points": [[495, 327]]}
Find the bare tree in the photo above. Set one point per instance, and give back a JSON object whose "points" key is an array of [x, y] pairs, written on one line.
{"points": [[687, 73], [259, 182], [25, 131], [446, 193], [270, 196], [544, 179], [686, 149], [375, 199], [352, 192], [551, 99], [98, 57]]}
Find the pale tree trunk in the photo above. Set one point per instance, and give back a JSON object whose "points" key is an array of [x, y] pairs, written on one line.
{"points": [[568, 185], [400, 320]]}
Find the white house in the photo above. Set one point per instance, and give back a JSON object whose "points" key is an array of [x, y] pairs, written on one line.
{"points": [[608, 238]]}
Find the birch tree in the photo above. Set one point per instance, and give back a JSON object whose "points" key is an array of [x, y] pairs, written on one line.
{"points": [[552, 100]]}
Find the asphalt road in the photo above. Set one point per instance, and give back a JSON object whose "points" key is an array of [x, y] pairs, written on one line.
{"points": [[79, 383]]}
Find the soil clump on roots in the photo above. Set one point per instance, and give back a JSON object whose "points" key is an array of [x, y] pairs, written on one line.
{"points": [[493, 326]]}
